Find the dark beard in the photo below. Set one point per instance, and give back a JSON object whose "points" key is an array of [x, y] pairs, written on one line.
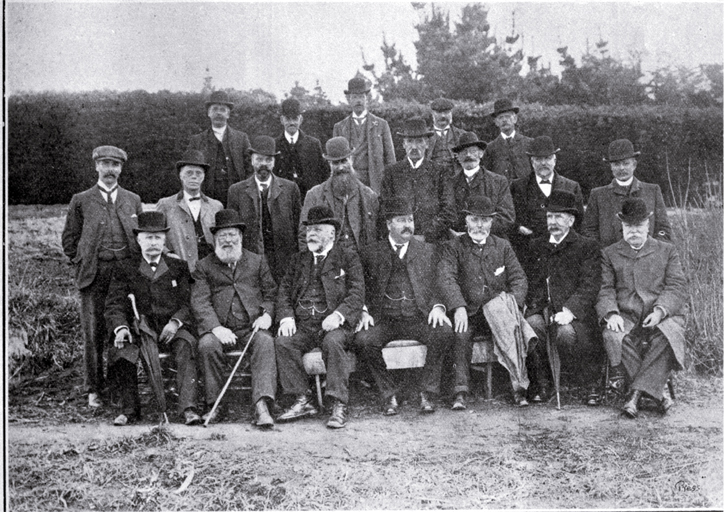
{"points": [[343, 184]]}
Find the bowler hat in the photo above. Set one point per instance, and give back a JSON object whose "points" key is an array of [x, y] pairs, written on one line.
{"points": [[151, 222], [503, 105], [192, 157], [468, 139], [264, 145], [337, 149], [109, 153], [542, 146], [634, 211], [395, 206], [415, 127], [357, 85], [480, 206], [291, 108], [321, 215], [442, 105], [227, 219], [621, 149], [219, 98], [561, 201]]}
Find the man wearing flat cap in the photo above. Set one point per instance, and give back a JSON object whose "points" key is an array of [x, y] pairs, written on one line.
{"points": [[269, 206], [354, 204], [232, 299], [507, 153], [446, 136], [224, 148], [98, 233], [319, 304], [161, 287], [368, 135], [476, 181], [190, 213], [300, 155], [642, 306], [425, 185], [402, 302], [604, 202]]}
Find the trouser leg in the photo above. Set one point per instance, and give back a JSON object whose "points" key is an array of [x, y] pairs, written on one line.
{"points": [[436, 340], [369, 344], [463, 353], [263, 366], [126, 378], [336, 360], [612, 342], [650, 372], [186, 375], [289, 351], [211, 359], [93, 326]]}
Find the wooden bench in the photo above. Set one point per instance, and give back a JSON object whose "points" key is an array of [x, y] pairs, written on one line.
{"points": [[242, 379]]}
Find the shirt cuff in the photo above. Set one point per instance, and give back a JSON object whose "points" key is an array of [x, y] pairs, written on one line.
{"points": [[663, 310], [287, 319], [441, 306], [179, 322], [115, 331]]}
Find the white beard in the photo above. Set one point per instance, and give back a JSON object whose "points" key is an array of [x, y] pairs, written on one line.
{"points": [[232, 255]]}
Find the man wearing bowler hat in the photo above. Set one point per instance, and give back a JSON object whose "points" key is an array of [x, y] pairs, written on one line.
{"points": [[224, 148], [161, 287], [190, 213], [368, 135], [98, 233], [232, 296], [642, 306], [446, 136], [300, 155], [426, 185], [507, 153], [600, 221], [269, 206]]}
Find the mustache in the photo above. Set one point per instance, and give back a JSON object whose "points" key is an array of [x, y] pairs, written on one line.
{"points": [[470, 159], [406, 230]]}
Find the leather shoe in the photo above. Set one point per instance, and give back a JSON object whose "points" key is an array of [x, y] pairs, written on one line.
{"points": [[191, 418], [631, 408], [667, 402], [593, 399], [301, 408], [219, 413], [94, 400], [338, 419], [459, 403], [262, 418], [426, 406], [520, 399], [392, 407], [616, 380]]}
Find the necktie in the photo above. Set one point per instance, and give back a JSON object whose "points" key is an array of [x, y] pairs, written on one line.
{"points": [[197, 198], [318, 258], [398, 250], [263, 187], [153, 265], [545, 182], [109, 198]]}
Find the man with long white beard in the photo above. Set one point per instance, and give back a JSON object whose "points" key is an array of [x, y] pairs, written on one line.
{"points": [[232, 296]]}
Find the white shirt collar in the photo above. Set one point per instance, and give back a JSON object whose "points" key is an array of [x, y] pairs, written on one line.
{"points": [[506, 137], [219, 132], [291, 139], [553, 240], [363, 115], [625, 183], [403, 251], [417, 164], [156, 262], [188, 196], [550, 178], [259, 183], [104, 187], [472, 172]]}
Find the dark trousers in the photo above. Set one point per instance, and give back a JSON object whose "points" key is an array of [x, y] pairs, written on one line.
{"points": [[309, 335], [648, 370], [370, 343], [463, 350]]}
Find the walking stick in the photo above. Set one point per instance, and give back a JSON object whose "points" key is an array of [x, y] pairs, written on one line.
{"points": [[231, 376]]}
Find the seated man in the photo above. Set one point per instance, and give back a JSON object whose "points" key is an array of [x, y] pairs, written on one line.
{"points": [[643, 301], [319, 302], [403, 303], [481, 280], [162, 288], [232, 298]]}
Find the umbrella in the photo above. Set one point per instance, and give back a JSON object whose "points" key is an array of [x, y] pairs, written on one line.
{"points": [[553, 357], [149, 355]]}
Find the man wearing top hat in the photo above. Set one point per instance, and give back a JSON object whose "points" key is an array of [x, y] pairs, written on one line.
{"points": [[402, 302], [425, 184], [476, 181], [224, 148], [354, 204], [232, 296], [300, 155], [507, 153], [642, 306], [368, 135], [600, 221], [190, 213], [98, 233], [161, 287], [319, 303], [564, 276], [269, 206], [446, 136]]}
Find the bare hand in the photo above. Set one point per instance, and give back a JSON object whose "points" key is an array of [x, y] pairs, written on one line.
{"points": [[263, 322], [287, 327], [525, 231], [615, 323], [169, 331], [565, 317], [365, 322], [438, 317], [332, 322], [122, 336], [226, 336], [461, 320], [654, 318], [419, 238]]}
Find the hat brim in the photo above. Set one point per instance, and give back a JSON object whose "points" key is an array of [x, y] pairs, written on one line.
{"points": [[181, 163], [480, 143], [635, 154], [334, 158], [515, 110], [415, 135], [366, 91], [113, 158], [632, 220], [332, 222], [479, 214], [541, 154], [252, 150], [209, 103], [240, 225], [150, 230], [554, 209]]}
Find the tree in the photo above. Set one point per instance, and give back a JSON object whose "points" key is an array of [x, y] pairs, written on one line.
{"points": [[307, 99], [682, 86]]}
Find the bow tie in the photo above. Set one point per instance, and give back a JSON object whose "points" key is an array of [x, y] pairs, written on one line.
{"points": [[153, 264], [197, 198]]}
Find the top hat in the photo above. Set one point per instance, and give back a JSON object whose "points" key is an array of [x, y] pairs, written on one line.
{"points": [[151, 222], [109, 153], [192, 157], [219, 98], [480, 206], [561, 201], [621, 149], [321, 215], [504, 105], [227, 219], [264, 145], [468, 139], [442, 105], [357, 85], [634, 211], [337, 149], [542, 146], [395, 206], [415, 127], [291, 108]]}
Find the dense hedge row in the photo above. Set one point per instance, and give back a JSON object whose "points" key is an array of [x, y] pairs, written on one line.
{"points": [[51, 136]]}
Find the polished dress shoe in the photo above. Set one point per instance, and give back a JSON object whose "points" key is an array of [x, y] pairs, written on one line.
{"points": [[459, 403], [301, 408], [391, 407], [262, 418], [191, 418], [667, 402], [520, 399], [94, 400], [426, 406], [631, 408], [617, 379], [338, 419]]}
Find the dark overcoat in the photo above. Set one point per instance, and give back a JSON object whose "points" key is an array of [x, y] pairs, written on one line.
{"points": [[508, 159], [492, 186], [440, 151], [236, 144], [312, 168]]}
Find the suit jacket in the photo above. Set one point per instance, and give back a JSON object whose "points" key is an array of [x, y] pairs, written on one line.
{"points": [[181, 237], [362, 210], [215, 285], [492, 186], [600, 221], [509, 160], [85, 224], [448, 161], [315, 169], [634, 282], [284, 206], [430, 193], [469, 277], [236, 144], [380, 149], [342, 279]]}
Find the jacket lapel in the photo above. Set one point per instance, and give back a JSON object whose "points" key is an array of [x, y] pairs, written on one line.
{"points": [[275, 189], [145, 269], [182, 204], [161, 269]]}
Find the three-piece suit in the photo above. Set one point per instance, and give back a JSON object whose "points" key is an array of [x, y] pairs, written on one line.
{"points": [[492, 186], [508, 159], [301, 162]]}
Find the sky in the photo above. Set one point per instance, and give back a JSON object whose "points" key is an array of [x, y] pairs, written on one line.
{"points": [[168, 45]]}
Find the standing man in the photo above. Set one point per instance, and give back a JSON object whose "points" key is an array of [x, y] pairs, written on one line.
{"points": [[319, 304], [232, 297], [369, 136], [446, 136], [269, 206], [223, 147], [604, 202], [507, 153], [98, 233], [424, 184], [300, 155], [190, 213]]}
